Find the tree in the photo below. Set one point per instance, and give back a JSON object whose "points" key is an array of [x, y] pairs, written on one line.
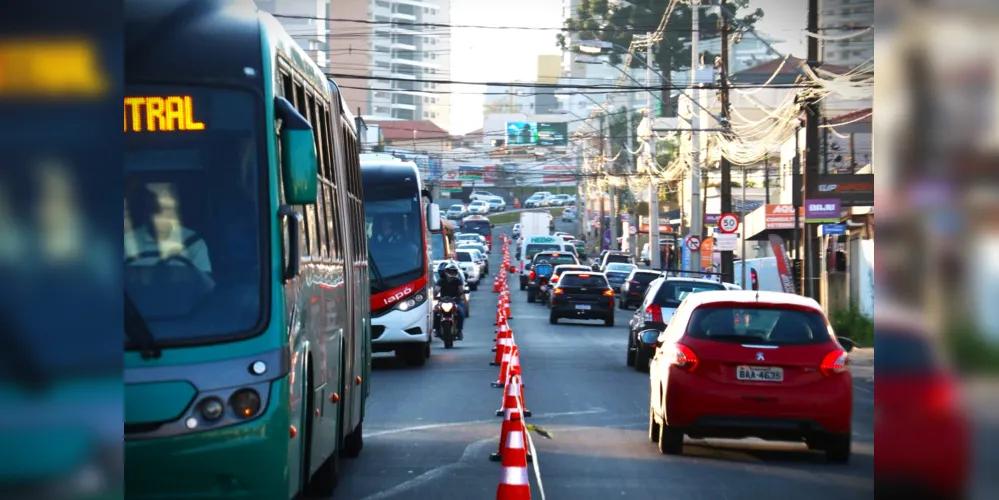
{"points": [[617, 24]]}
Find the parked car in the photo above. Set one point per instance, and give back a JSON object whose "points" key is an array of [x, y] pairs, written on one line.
{"points": [[739, 364], [480, 195], [582, 295]]}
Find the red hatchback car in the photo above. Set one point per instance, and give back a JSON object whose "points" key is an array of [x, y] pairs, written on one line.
{"points": [[736, 364]]}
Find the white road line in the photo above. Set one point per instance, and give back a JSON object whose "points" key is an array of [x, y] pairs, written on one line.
{"points": [[476, 422], [476, 449]]}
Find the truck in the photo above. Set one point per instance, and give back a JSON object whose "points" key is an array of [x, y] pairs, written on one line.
{"points": [[533, 224]]}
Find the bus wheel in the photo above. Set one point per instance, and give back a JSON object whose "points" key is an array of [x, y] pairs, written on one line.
{"points": [[417, 355], [326, 478], [354, 442]]}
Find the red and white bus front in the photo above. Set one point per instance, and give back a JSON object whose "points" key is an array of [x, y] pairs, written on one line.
{"points": [[399, 261]]}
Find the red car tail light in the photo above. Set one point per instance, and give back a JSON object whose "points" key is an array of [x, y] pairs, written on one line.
{"points": [[835, 362], [653, 314], [554, 279], [532, 275], [684, 358]]}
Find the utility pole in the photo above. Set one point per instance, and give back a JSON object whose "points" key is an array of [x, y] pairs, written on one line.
{"points": [[813, 115], [600, 189], [742, 228], [651, 145], [727, 267], [580, 201], [696, 217], [631, 168]]}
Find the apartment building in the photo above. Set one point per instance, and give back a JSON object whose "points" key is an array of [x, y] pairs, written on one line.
{"points": [[845, 17], [309, 29]]}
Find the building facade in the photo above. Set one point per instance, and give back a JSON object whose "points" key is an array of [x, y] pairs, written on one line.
{"points": [[400, 47], [843, 18]]}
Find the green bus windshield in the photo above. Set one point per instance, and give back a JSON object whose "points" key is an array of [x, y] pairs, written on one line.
{"points": [[194, 199]]}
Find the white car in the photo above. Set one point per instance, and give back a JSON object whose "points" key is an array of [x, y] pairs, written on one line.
{"points": [[568, 215], [468, 263], [473, 238], [516, 230], [480, 195], [480, 252], [478, 207]]}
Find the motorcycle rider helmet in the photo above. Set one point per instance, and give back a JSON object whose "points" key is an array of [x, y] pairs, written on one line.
{"points": [[451, 271]]}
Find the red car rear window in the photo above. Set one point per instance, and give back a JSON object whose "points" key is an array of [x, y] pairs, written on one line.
{"points": [[760, 325]]}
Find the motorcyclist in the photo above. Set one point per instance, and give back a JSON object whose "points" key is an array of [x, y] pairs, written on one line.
{"points": [[451, 285]]}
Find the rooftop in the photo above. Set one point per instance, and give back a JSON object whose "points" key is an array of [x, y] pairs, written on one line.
{"points": [[400, 130]]}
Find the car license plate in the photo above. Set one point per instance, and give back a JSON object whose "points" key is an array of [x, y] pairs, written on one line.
{"points": [[583, 307], [759, 373]]}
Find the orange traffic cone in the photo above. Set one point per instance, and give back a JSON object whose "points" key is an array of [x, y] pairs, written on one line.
{"points": [[509, 416], [514, 480], [503, 338], [504, 370], [514, 370], [518, 382], [506, 309]]}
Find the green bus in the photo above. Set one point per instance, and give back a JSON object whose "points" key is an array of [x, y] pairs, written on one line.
{"points": [[247, 346]]}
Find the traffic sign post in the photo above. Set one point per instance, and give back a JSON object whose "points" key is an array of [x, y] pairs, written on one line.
{"points": [[728, 223], [693, 242]]}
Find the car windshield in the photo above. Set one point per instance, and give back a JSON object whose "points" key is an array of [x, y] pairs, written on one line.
{"points": [[533, 249], [455, 209], [758, 324], [620, 268], [672, 292], [903, 354], [194, 200], [466, 246], [562, 258], [465, 257], [644, 278], [480, 227], [395, 237], [583, 280], [612, 258]]}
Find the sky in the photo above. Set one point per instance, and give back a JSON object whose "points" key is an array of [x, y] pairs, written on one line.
{"points": [[504, 54]]}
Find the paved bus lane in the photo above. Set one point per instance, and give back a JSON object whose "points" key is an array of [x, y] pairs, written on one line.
{"points": [[429, 430]]}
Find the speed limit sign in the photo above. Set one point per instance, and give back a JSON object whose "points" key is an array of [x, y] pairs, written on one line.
{"points": [[728, 223]]}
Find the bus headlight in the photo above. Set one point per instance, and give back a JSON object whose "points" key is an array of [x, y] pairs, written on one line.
{"points": [[211, 409], [245, 402], [410, 303]]}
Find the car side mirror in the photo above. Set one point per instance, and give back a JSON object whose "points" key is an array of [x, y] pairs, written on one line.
{"points": [[847, 344], [649, 338]]}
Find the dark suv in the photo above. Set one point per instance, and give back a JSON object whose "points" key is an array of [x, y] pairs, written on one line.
{"points": [[553, 258], [612, 257], [633, 289], [582, 295], [656, 310]]}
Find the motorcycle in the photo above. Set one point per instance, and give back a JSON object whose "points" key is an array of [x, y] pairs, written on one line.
{"points": [[543, 274], [445, 320]]}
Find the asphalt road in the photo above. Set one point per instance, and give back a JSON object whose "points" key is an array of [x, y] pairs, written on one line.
{"points": [[429, 430]]}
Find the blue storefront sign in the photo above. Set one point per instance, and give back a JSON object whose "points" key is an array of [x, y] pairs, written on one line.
{"points": [[832, 229]]}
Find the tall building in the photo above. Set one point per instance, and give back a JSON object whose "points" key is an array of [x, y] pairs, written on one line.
{"points": [[549, 71], [309, 29], [845, 17], [396, 41]]}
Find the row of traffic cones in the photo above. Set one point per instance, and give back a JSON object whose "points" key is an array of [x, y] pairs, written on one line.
{"points": [[512, 450]]}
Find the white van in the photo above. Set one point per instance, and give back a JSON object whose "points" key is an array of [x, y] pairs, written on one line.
{"points": [[766, 274]]}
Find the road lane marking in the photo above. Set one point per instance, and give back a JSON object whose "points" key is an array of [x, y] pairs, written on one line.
{"points": [[475, 449], [477, 422]]}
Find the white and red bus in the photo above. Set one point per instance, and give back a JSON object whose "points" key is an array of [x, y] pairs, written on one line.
{"points": [[399, 217], [480, 225]]}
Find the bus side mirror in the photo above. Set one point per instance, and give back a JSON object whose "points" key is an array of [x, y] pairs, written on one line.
{"points": [[434, 217], [299, 165]]}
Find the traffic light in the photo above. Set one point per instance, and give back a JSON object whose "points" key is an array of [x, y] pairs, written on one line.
{"points": [[754, 279]]}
